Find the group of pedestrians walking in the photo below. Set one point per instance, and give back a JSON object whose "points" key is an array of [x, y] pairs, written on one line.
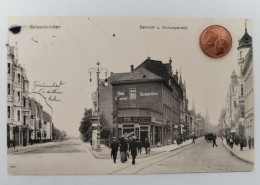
{"points": [[134, 147], [242, 141]]}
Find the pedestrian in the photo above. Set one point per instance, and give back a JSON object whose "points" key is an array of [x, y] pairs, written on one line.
{"points": [[13, 142], [91, 142], [146, 145], [139, 145], [178, 140], [31, 140], [10, 143], [253, 142], [133, 149], [244, 141], [241, 141], [123, 149], [193, 140], [228, 139], [231, 141], [249, 142], [114, 148], [214, 140]]}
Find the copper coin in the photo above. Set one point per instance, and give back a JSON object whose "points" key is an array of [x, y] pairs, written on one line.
{"points": [[215, 41]]}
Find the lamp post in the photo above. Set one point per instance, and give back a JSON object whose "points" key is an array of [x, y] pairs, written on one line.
{"points": [[98, 70], [116, 100]]}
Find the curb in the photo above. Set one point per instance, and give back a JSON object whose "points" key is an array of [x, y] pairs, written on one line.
{"points": [[97, 157], [29, 149], [233, 154]]}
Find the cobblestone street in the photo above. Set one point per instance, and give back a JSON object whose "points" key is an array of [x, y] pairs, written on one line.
{"points": [[73, 157]]}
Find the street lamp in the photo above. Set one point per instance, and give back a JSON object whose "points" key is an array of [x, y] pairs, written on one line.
{"points": [[116, 100], [98, 70]]}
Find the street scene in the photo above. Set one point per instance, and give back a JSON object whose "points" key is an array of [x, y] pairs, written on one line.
{"points": [[107, 95], [75, 157]]}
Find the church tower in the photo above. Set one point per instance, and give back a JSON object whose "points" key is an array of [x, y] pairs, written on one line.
{"points": [[244, 45]]}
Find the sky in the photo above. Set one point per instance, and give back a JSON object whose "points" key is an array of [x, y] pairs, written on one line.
{"points": [[67, 53]]}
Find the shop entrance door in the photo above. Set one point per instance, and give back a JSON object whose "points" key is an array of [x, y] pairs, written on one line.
{"points": [[143, 135]]}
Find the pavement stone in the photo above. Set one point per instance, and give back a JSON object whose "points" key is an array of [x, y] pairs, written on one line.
{"points": [[245, 155], [21, 149], [106, 152]]}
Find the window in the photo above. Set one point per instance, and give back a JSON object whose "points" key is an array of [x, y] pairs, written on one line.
{"points": [[18, 115], [233, 89], [24, 120], [235, 104], [242, 90], [8, 112], [24, 102], [9, 68], [8, 89], [19, 97], [132, 93], [19, 78]]}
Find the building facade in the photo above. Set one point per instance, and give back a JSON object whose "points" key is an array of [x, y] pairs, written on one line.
{"points": [[246, 94], [24, 114], [239, 110], [150, 101], [232, 105]]}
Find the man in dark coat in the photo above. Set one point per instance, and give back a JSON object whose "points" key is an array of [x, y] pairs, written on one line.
{"points": [[214, 140], [123, 149], [133, 149], [146, 145], [139, 145], [193, 139], [114, 148], [241, 142], [249, 142]]}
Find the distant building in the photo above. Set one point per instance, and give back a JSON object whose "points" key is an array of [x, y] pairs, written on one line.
{"points": [[232, 107]]}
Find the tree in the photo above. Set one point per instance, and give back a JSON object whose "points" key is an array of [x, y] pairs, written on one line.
{"points": [[85, 127], [57, 134], [104, 127]]}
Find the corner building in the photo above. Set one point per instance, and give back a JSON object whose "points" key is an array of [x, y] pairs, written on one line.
{"points": [[149, 100]]}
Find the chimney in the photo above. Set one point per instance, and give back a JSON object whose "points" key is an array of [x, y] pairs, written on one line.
{"points": [[132, 68]]}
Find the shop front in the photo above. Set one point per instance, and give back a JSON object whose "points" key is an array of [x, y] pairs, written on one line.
{"points": [[141, 128]]}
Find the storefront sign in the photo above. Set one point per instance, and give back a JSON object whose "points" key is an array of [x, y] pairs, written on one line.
{"points": [[145, 119], [133, 119], [148, 94]]}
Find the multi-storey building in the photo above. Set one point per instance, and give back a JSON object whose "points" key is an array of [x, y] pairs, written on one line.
{"points": [[17, 94], [149, 102], [246, 93], [25, 119]]}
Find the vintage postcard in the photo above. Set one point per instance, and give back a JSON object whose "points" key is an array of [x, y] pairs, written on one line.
{"points": [[129, 95]]}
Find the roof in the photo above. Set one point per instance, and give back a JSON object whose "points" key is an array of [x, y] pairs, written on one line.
{"points": [[140, 74], [245, 41], [156, 67]]}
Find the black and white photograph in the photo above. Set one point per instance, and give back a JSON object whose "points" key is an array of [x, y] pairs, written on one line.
{"points": [[101, 95]]}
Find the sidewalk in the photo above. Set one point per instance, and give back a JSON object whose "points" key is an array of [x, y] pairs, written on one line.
{"points": [[29, 147], [245, 155], [106, 152]]}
